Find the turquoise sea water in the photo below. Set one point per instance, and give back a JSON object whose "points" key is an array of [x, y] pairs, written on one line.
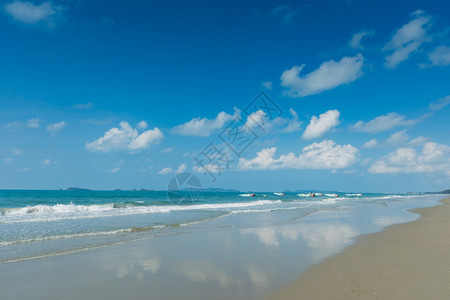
{"points": [[77, 219]]}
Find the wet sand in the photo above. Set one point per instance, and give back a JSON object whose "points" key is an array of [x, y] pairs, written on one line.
{"points": [[405, 261]]}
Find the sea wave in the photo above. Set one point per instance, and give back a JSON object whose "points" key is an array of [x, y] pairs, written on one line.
{"points": [[40, 213]]}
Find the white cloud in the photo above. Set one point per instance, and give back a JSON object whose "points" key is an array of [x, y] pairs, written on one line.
{"points": [[434, 158], [46, 162], [370, 144], [284, 125], [397, 138], [25, 169], [145, 139], [16, 151], [355, 42], [439, 104], [209, 168], [204, 126], [384, 123], [8, 160], [125, 138], [258, 118], [318, 126], [114, 170], [329, 75], [13, 125], [180, 169], [168, 150], [55, 127], [440, 56], [293, 124], [324, 155], [142, 125], [33, 123], [83, 106], [285, 13], [165, 171], [30, 13], [267, 84], [408, 39], [419, 141]]}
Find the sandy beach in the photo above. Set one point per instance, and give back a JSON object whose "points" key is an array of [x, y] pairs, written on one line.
{"points": [[405, 261]]}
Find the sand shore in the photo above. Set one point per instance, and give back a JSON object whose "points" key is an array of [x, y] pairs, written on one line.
{"points": [[405, 261]]}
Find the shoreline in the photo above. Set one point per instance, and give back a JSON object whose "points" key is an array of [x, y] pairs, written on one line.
{"points": [[404, 261]]}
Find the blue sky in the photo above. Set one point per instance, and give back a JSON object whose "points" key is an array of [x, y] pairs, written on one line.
{"points": [[108, 94]]}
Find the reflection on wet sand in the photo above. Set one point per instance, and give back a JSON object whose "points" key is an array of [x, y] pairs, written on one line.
{"points": [[325, 239], [134, 263]]}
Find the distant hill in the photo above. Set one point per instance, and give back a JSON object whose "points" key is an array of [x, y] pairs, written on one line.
{"points": [[446, 191]]}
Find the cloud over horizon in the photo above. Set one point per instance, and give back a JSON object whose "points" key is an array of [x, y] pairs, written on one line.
{"points": [[433, 158]]}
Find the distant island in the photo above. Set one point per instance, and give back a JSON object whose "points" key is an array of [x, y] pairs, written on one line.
{"points": [[77, 189]]}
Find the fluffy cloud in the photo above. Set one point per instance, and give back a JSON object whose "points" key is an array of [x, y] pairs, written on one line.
{"points": [[383, 123], [318, 126], [324, 155], [56, 127], [83, 106], [46, 162], [258, 118], [168, 150], [329, 75], [209, 168], [30, 13], [204, 126], [16, 151], [433, 158], [293, 124], [355, 42], [419, 141], [125, 138], [180, 169], [397, 138], [285, 13], [114, 170], [267, 85], [33, 123], [407, 39], [440, 56], [284, 125], [142, 125], [370, 144], [439, 104]]}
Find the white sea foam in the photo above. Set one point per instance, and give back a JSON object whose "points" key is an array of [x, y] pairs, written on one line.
{"points": [[40, 213], [64, 236]]}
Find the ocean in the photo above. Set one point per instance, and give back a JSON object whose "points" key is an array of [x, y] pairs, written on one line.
{"points": [[41, 223]]}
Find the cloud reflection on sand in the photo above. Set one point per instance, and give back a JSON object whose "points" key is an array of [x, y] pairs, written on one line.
{"points": [[324, 239], [135, 263], [257, 276], [204, 271], [383, 221]]}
